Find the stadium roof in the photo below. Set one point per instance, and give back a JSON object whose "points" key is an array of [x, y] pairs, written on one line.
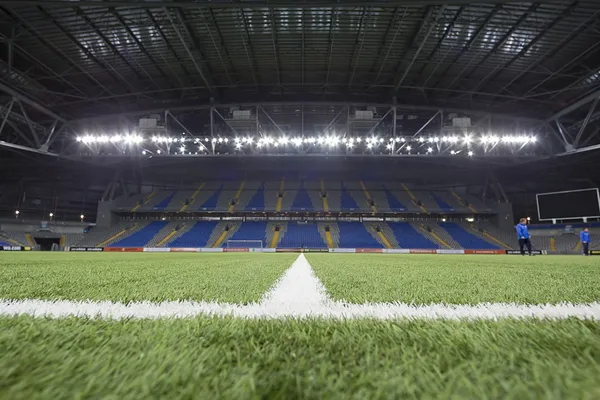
{"points": [[91, 57]]}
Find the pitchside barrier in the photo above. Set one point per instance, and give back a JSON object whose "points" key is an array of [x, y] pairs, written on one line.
{"points": [[15, 248], [280, 250]]}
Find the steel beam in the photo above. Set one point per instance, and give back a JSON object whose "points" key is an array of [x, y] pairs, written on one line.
{"points": [[585, 122], [495, 72], [188, 51], [140, 46], [275, 49], [467, 46], [410, 107], [420, 48], [503, 40], [245, 4], [12, 102], [35, 105], [575, 106]]}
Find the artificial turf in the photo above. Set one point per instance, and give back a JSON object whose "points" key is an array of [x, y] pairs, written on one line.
{"points": [[236, 278], [208, 358], [453, 279]]}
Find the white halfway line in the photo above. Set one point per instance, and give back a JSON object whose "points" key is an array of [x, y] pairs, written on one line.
{"points": [[298, 294]]}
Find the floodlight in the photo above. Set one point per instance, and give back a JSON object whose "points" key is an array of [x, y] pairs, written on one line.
{"points": [[408, 148], [470, 153], [51, 215], [158, 151], [430, 150], [17, 212]]}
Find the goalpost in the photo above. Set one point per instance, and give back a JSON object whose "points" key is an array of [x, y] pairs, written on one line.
{"points": [[244, 244]]}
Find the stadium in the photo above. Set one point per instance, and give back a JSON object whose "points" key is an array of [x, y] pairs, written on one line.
{"points": [[311, 199]]}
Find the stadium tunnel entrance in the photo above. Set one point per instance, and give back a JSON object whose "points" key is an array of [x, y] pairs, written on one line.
{"points": [[48, 244]]}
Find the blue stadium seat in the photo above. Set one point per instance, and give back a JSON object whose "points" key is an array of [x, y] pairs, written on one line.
{"points": [[465, 239], [211, 202], [354, 235], [408, 238], [197, 236], [257, 202], [442, 204], [164, 203], [142, 237], [347, 202], [252, 230], [395, 204], [5, 244], [302, 201], [302, 236]]}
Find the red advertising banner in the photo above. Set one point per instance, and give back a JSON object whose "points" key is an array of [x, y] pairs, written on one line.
{"points": [[422, 251], [369, 250], [485, 251], [233, 250], [124, 249]]}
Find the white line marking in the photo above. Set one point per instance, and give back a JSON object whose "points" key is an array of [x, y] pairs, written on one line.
{"points": [[298, 294]]}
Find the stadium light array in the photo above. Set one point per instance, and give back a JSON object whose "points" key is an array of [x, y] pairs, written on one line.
{"points": [[329, 140], [423, 144]]}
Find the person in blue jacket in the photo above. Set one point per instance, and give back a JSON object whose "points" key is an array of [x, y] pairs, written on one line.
{"points": [[584, 236], [523, 235]]}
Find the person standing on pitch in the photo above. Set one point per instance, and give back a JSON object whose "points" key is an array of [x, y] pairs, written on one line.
{"points": [[584, 236], [523, 234]]}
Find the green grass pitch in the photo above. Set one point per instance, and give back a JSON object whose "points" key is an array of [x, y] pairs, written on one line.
{"points": [[452, 279], [216, 357], [236, 278]]}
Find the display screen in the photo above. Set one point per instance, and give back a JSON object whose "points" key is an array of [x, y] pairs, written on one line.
{"points": [[568, 205]]}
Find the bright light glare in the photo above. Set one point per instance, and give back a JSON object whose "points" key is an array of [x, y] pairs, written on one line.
{"points": [[470, 153]]}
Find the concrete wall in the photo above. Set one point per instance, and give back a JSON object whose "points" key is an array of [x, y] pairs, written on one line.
{"points": [[105, 218], [505, 219]]}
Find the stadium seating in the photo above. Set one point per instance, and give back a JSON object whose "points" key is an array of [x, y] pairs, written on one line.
{"points": [[304, 196], [347, 201], [251, 230], [257, 202], [211, 203], [465, 239], [355, 235], [408, 238], [395, 204], [164, 203], [196, 236], [302, 201], [142, 237], [302, 236], [443, 205]]}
